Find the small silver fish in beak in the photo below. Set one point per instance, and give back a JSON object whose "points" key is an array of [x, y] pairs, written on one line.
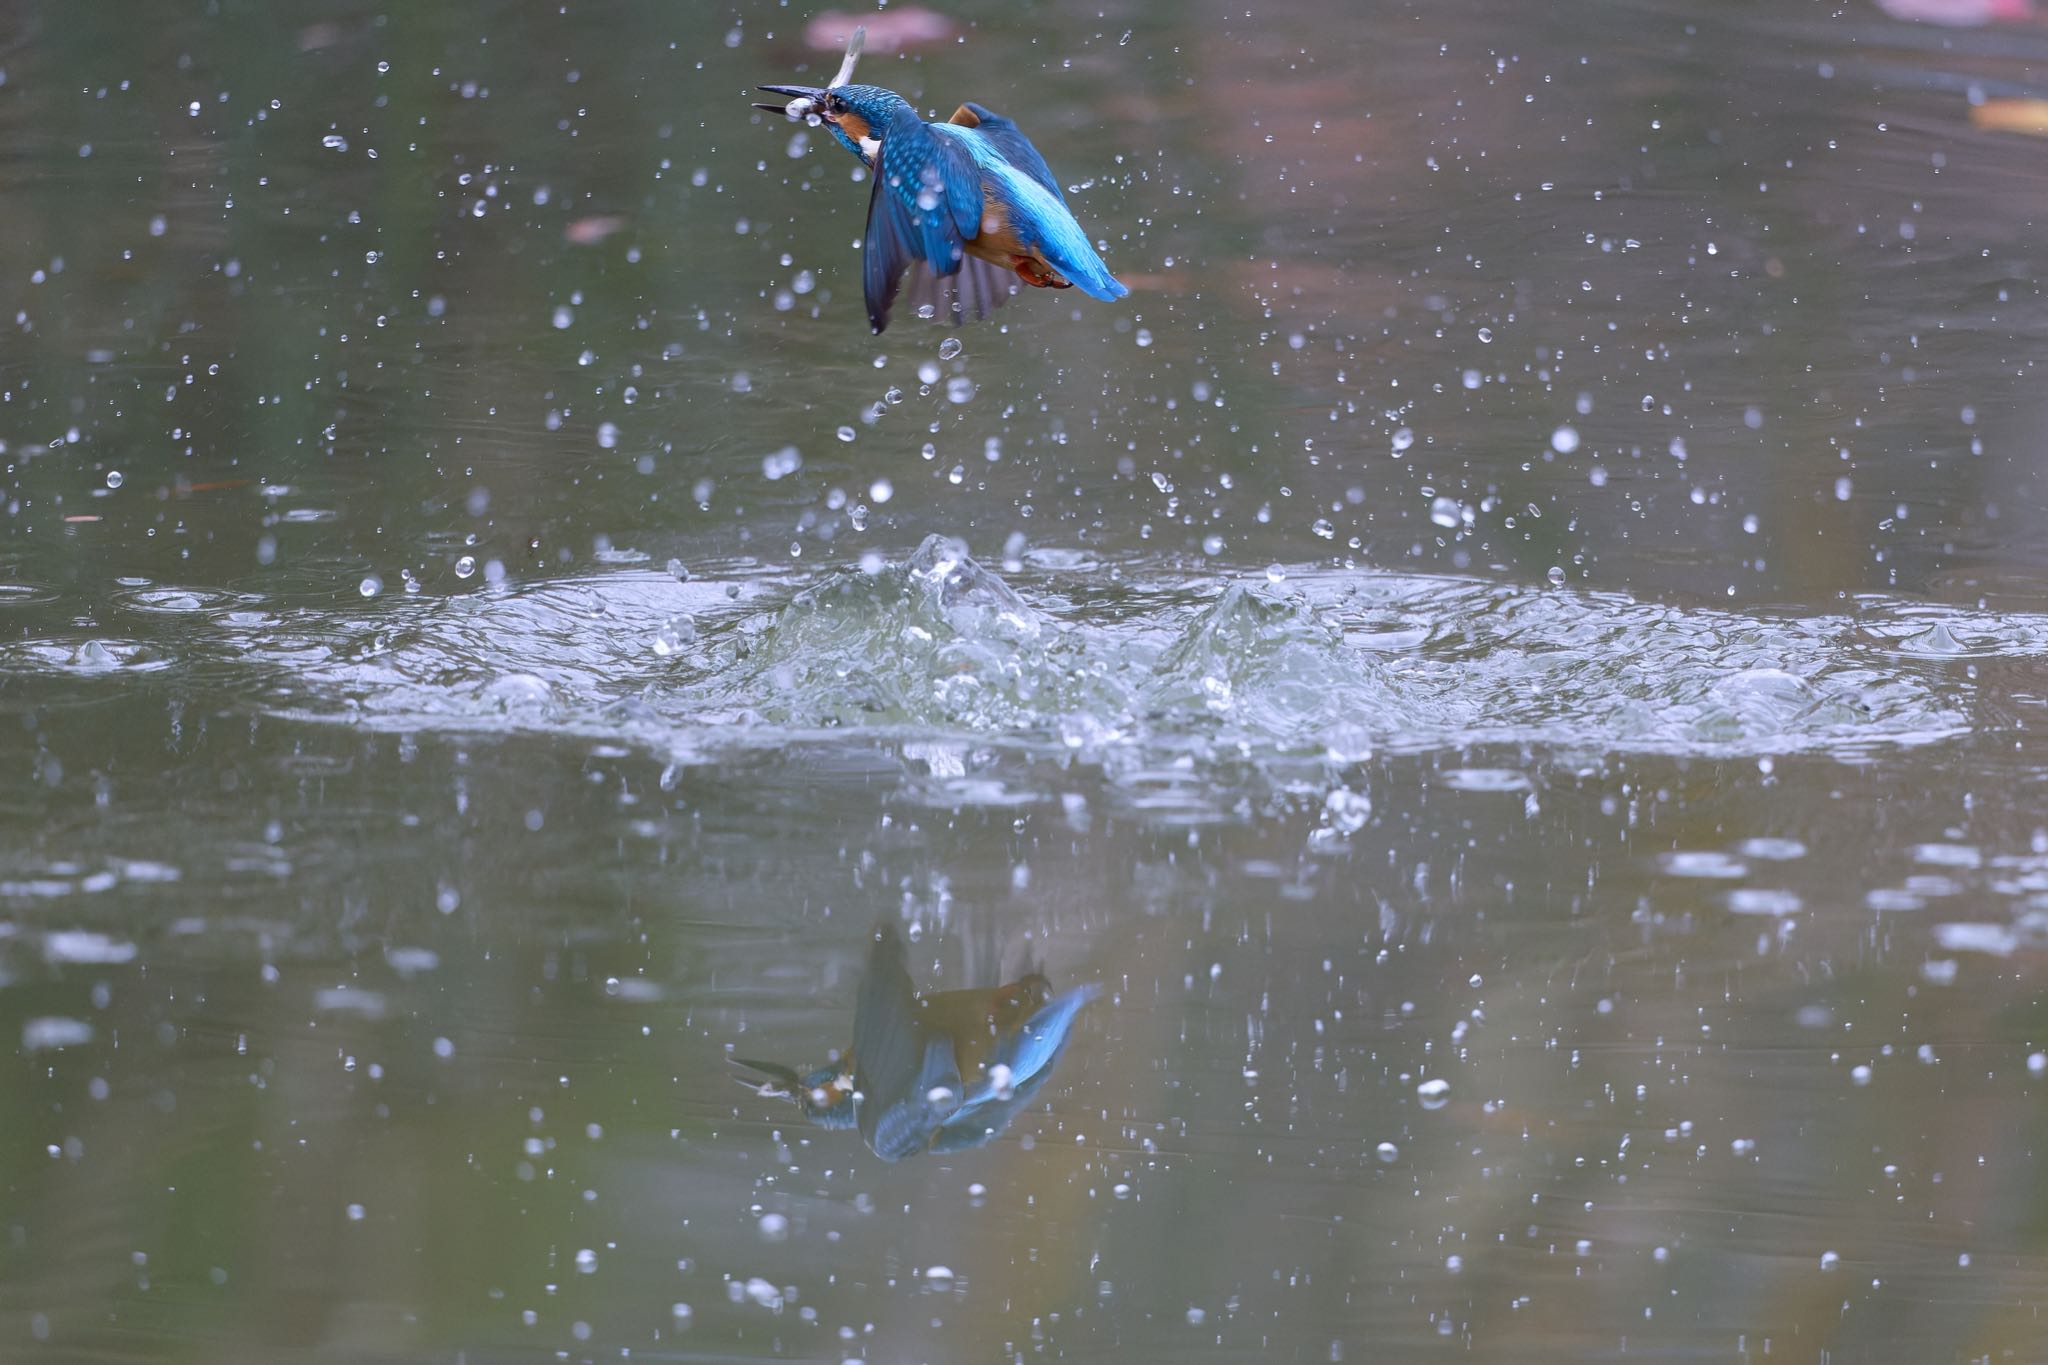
{"points": [[805, 99]]}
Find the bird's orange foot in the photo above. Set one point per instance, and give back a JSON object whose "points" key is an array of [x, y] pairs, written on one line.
{"points": [[1036, 272]]}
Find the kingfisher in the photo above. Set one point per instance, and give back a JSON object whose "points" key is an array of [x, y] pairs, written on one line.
{"points": [[933, 1072], [968, 205]]}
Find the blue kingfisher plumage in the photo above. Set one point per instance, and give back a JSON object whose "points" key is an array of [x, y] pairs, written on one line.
{"points": [[937, 1072], [968, 206]]}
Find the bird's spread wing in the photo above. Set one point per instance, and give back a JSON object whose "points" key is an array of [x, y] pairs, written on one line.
{"points": [[925, 207], [904, 1126], [1008, 139], [909, 1081]]}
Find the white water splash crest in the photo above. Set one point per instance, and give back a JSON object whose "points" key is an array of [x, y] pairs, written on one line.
{"points": [[1215, 677]]}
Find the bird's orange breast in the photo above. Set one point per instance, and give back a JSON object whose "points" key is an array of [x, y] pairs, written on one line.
{"points": [[998, 241], [853, 125]]}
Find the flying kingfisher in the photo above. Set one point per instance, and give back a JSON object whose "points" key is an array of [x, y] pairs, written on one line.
{"points": [[938, 1072], [966, 204]]}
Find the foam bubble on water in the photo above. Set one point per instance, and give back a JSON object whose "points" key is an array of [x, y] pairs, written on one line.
{"points": [[1701, 863], [86, 946], [1763, 901], [1485, 780], [54, 1031], [1995, 940]]}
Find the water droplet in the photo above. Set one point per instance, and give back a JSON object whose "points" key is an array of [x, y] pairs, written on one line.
{"points": [[1323, 529], [1564, 440], [881, 490], [1444, 512], [465, 566], [674, 635], [370, 586], [949, 348], [333, 142], [113, 478], [846, 433], [1556, 576], [1346, 810]]}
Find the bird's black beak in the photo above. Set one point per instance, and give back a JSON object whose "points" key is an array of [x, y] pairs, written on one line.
{"points": [[804, 92]]}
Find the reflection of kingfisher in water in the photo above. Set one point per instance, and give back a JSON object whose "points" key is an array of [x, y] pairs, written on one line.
{"points": [[969, 202], [931, 1073]]}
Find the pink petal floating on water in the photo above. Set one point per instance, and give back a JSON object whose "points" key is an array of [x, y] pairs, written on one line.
{"points": [[1959, 13], [892, 30], [592, 230]]}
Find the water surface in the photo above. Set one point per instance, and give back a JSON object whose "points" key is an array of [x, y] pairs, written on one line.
{"points": [[1513, 660]]}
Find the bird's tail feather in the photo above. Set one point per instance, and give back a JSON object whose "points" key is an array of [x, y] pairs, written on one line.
{"points": [[977, 289]]}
